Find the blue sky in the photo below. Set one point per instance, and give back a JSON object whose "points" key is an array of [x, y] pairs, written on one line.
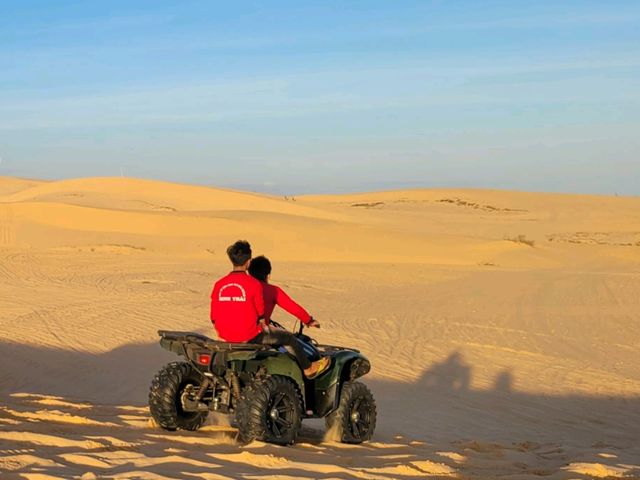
{"points": [[293, 97]]}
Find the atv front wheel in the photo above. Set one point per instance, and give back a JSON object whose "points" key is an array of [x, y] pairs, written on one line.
{"points": [[165, 397], [355, 418], [270, 410]]}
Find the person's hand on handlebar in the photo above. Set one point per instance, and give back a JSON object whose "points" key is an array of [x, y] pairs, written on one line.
{"points": [[313, 323]]}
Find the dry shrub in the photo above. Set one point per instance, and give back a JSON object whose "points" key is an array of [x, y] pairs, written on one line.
{"points": [[521, 239]]}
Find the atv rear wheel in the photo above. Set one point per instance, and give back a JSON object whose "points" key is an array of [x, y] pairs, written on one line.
{"points": [[270, 410], [355, 418], [165, 394]]}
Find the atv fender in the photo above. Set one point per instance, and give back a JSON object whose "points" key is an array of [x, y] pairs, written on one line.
{"points": [[287, 367], [273, 362], [346, 365]]}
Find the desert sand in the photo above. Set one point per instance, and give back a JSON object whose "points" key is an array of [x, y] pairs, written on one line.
{"points": [[503, 327]]}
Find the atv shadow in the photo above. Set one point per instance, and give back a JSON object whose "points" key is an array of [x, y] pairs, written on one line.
{"points": [[443, 400], [554, 430]]}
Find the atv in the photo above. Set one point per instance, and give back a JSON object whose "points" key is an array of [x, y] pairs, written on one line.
{"points": [[263, 387]]}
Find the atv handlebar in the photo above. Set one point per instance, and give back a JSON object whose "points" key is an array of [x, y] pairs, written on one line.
{"points": [[300, 328]]}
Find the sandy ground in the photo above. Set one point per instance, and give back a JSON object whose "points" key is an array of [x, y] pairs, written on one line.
{"points": [[503, 327]]}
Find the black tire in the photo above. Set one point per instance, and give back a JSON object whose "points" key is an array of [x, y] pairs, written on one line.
{"points": [[355, 418], [270, 410], [164, 397]]}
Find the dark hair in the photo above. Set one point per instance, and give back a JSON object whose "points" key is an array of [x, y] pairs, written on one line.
{"points": [[260, 268], [239, 253]]}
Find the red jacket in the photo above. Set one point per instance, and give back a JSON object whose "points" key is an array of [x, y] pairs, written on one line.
{"points": [[236, 307], [274, 295]]}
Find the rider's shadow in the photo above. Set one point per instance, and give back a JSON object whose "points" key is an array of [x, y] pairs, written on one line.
{"points": [[452, 374]]}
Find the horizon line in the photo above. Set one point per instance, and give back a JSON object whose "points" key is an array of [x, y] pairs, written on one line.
{"points": [[353, 192]]}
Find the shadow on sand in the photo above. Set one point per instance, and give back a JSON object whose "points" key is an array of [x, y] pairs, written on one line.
{"points": [[521, 433], [443, 401]]}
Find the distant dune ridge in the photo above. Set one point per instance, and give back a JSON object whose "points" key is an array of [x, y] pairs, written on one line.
{"points": [[432, 226], [502, 327]]}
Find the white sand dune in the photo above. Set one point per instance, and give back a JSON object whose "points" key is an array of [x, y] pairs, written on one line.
{"points": [[502, 327]]}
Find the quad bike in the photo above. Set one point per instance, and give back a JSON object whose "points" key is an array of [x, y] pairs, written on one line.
{"points": [[263, 387]]}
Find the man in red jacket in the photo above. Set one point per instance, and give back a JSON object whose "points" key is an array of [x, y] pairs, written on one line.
{"points": [[237, 306]]}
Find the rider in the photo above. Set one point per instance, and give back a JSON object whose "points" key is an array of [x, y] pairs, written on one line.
{"points": [[237, 305], [260, 268]]}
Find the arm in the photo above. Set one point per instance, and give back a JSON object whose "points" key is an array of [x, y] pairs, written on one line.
{"points": [[258, 300], [287, 303]]}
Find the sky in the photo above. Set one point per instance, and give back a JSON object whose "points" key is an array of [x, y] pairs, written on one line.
{"points": [[292, 97]]}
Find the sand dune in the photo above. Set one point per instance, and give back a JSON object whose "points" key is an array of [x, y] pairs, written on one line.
{"points": [[11, 185], [151, 195], [189, 220], [502, 327]]}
